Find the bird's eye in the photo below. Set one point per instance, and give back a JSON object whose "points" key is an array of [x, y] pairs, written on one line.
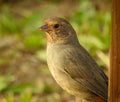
{"points": [[56, 26]]}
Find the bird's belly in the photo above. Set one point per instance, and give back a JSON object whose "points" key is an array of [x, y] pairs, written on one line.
{"points": [[56, 66], [70, 85]]}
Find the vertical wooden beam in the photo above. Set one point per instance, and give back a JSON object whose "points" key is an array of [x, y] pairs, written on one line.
{"points": [[114, 83]]}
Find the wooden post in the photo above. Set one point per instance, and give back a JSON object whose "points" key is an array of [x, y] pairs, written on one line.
{"points": [[114, 83]]}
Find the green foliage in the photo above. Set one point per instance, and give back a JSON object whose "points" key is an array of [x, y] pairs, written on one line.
{"points": [[26, 26], [34, 42], [26, 96], [9, 97], [21, 87], [48, 89], [93, 27], [42, 55], [7, 24], [5, 82]]}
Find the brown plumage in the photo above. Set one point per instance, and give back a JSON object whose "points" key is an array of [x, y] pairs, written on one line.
{"points": [[71, 65]]}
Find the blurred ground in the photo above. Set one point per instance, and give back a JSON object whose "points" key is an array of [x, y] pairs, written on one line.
{"points": [[24, 76]]}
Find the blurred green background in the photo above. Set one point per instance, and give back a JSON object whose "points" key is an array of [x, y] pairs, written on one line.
{"points": [[24, 76]]}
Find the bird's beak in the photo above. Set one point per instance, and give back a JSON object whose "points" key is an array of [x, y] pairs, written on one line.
{"points": [[44, 27]]}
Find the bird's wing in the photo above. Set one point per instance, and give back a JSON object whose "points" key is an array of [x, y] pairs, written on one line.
{"points": [[84, 70]]}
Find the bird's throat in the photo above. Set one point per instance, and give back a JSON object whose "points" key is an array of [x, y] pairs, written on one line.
{"points": [[49, 38]]}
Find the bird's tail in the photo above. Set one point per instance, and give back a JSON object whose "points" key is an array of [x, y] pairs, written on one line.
{"points": [[99, 99]]}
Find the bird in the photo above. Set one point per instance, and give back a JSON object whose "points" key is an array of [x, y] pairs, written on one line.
{"points": [[71, 65]]}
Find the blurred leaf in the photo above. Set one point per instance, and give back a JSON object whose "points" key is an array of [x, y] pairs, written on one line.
{"points": [[30, 22], [20, 88], [91, 43], [48, 89], [9, 97], [5, 81], [26, 96], [8, 23], [93, 27], [42, 55], [33, 42], [3, 62]]}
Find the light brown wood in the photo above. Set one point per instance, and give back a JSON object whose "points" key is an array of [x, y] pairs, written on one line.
{"points": [[114, 83]]}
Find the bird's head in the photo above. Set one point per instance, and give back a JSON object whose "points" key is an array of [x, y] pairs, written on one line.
{"points": [[58, 30]]}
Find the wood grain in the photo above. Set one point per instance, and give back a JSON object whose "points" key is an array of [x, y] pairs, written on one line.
{"points": [[114, 83]]}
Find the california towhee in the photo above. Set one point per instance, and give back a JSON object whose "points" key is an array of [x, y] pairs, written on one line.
{"points": [[71, 65]]}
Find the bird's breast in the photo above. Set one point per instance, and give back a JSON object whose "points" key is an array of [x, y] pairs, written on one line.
{"points": [[55, 63], [55, 60]]}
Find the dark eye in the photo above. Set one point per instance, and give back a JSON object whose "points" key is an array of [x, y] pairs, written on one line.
{"points": [[56, 26]]}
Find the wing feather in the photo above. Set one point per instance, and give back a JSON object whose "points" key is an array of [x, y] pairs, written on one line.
{"points": [[85, 71]]}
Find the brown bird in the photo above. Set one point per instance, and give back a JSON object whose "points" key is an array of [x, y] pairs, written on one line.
{"points": [[71, 65]]}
